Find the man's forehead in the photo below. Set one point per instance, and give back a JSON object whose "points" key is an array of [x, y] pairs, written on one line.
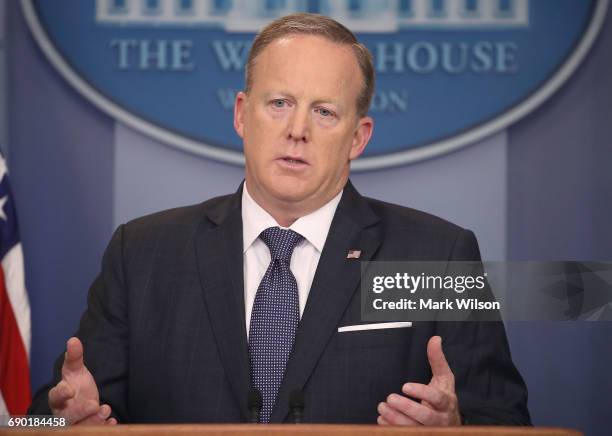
{"points": [[288, 62], [288, 44]]}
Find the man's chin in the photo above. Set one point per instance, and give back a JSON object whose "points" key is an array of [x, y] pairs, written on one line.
{"points": [[289, 191], [290, 196]]}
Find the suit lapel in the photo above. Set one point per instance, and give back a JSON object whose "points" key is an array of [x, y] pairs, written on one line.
{"points": [[337, 278], [219, 251]]}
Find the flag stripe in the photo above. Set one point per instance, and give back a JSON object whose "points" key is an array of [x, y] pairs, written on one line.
{"points": [[14, 371], [12, 265], [15, 331]]}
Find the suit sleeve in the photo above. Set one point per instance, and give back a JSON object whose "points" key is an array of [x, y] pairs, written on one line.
{"points": [[488, 385], [104, 332]]}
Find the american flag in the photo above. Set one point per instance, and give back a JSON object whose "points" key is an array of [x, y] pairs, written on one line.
{"points": [[14, 310]]}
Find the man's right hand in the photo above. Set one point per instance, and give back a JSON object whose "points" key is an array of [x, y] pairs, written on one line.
{"points": [[76, 396]]}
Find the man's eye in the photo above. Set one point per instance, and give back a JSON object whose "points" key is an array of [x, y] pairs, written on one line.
{"points": [[325, 112], [278, 103]]}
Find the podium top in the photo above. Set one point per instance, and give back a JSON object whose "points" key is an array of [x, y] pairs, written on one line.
{"points": [[293, 429]]}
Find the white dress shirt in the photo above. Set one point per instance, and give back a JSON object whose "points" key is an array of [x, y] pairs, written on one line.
{"points": [[314, 227]]}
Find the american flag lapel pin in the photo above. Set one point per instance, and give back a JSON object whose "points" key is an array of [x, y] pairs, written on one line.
{"points": [[353, 254]]}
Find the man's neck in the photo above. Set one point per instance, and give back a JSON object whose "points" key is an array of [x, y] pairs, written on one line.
{"points": [[286, 213]]}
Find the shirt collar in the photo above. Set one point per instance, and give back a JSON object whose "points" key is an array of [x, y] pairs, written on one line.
{"points": [[314, 227]]}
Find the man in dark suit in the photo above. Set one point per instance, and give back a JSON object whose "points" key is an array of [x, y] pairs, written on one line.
{"points": [[195, 306]]}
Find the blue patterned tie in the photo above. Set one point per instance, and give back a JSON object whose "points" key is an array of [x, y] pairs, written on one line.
{"points": [[275, 318]]}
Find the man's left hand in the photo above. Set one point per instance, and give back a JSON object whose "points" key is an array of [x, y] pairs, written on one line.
{"points": [[438, 405]]}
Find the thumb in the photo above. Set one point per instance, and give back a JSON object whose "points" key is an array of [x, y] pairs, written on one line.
{"points": [[438, 363], [73, 359]]}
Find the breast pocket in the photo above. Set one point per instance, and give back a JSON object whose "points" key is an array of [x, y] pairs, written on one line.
{"points": [[375, 338]]}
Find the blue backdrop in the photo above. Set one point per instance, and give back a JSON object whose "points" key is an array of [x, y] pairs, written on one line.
{"points": [[76, 174]]}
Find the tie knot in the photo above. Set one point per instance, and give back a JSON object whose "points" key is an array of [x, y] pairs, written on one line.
{"points": [[281, 242]]}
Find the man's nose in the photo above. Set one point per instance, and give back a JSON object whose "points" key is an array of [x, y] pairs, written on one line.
{"points": [[299, 126]]}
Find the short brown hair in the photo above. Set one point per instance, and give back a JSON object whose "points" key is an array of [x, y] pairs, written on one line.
{"points": [[320, 25]]}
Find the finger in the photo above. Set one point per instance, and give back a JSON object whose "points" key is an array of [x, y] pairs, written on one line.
{"points": [[97, 418], [437, 398], [393, 416], [382, 421], [60, 394], [111, 421], [93, 419], [438, 363], [78, 410], [412, 409], [73, 359], [105, 411]]}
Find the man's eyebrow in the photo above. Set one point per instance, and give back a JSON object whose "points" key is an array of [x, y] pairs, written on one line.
{"points": [[286, 94], [279, 93], [327, 101]]}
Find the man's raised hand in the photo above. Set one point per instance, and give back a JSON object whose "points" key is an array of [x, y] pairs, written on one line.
{"points": [[438, 406], [76, 396]]}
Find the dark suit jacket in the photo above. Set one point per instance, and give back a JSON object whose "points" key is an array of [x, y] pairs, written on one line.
{"points": [[165, 337]]}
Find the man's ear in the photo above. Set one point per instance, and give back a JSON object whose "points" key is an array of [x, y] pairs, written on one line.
{"points": [[239, 109], [363, 133]]}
